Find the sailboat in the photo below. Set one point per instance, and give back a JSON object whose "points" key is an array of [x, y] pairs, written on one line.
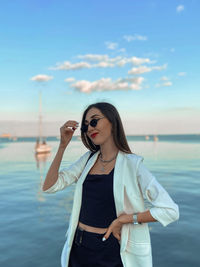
{"points": [[41, 146], [155, 138]]}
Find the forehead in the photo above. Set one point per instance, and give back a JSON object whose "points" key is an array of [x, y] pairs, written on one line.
{"points": [[92, 112]]}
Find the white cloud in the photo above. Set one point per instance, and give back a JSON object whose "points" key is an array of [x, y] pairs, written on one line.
{"points": [[94, 57], [144, 69], [134, 60], [111, 46], [181, 73], [104, 61], [135, 37], [140, 70], [104, 64], [122, 62], [106, 84], [69, 80], [70, 66], [41, 78], [114, 59], [139, 61], [163, 67], [164, 78], [165, 84], [180, 8], [97, 57]]}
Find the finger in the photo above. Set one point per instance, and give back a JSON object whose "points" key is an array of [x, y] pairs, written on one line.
{"points": [[106, 236], [118, 237], [71, 124], [71, 121]]}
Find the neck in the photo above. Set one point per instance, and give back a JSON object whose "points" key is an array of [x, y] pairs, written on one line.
{"points": [[108, 150]]}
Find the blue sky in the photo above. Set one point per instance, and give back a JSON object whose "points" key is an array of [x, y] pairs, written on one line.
{"points": [[142, 56]]}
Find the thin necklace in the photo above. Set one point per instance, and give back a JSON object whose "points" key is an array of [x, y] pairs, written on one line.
{"points": [[105, 162]]}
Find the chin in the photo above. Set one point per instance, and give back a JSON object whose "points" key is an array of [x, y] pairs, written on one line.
{"points": [[97, 143]]}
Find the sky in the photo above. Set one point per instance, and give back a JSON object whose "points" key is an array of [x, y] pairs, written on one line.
{"points": [[141, 56]]}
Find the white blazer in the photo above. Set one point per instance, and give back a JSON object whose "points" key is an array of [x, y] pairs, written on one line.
{"points": [[132, 184]]}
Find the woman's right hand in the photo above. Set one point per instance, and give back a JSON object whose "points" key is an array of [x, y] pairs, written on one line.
{"points": [[67, 131]]}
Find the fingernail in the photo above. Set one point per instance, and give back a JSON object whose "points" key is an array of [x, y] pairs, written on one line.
{"points": [[103, 239]]}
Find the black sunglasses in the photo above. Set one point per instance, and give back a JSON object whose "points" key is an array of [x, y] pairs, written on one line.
{"points": [[92, 123]]}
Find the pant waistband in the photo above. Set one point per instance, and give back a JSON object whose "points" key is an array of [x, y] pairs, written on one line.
{"points": [[80, 229]]}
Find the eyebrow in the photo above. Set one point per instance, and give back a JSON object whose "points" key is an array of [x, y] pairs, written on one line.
{"points": [[93, 116]]}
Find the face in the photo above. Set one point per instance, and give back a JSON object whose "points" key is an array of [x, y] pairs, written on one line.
{"points": [[100, 133]]}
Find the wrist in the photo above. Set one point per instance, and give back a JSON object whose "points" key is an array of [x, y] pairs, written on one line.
{"points": [[136, 221], [125, 218]]}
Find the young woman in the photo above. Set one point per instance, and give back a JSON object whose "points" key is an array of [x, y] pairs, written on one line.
{"points": [[109, 224]]}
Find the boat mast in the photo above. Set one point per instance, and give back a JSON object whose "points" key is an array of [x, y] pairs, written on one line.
{"points": [[40, 117]]}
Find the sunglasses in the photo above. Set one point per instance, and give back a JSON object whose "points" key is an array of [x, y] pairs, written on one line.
{"points": [[92, 123]]}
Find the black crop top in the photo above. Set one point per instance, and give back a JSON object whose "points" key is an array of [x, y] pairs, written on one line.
{"points": [[98, 206]]}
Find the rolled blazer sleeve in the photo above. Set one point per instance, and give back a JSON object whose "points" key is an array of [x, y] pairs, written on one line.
{"points": [[164, 209], [69, 175]]}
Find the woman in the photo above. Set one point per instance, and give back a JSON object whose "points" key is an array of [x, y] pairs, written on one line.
{"points": [[108, 225]]}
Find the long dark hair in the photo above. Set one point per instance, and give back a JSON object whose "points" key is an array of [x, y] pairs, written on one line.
{"points": [[111, 113]]}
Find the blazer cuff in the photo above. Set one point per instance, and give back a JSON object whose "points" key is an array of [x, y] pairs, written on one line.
{"points": [[165, 215], [53, 188]]}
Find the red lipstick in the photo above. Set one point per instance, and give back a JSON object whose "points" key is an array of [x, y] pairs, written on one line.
{"points": [[94, 135]]}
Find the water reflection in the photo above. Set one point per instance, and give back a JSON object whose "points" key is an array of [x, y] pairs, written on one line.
{"points": [[41, 159], [41, 163]]}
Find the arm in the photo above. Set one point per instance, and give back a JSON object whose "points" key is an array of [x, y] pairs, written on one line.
{"points": [[52, 175], [68, 175], [52, 182], [164, 209], [143, 217]]}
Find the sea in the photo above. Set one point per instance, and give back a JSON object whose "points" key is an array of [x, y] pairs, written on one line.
{"points": [[33, 224]]}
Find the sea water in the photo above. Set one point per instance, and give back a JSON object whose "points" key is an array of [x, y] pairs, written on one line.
{"points": [[33, 224]]}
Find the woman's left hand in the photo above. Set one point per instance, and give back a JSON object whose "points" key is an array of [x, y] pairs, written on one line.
{"points": [[115, 228]]}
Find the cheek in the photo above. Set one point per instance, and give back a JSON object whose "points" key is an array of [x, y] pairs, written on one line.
{"points": [[108, 129]]}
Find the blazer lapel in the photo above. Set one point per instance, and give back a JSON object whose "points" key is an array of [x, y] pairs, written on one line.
{"points": [[118, 189], [119, 174], [88, 167], [78, 197]]}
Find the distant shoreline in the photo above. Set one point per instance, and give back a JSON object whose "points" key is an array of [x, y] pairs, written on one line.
{"points": [[194, 138], [76, 136]]}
